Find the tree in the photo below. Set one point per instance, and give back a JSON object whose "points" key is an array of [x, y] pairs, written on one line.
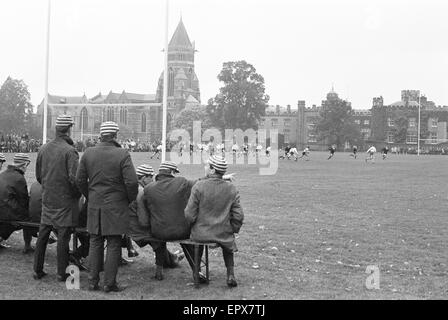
{"points": [[15, 106], [336, 124], [400, 129], [186, 118], [241, 101]]}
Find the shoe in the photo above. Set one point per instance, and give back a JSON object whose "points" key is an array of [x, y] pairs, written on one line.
{"points": [[180, 257], [83, 265], [28, 250], [114, 288], [4, 245], [39, 275], [62, 278], [202, 278], [124, 261], [132, 253], [94, 287], [80, 263], [53, 238], [231, 282]]}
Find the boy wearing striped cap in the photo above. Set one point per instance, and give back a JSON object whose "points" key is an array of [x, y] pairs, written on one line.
{"points": [[56, 165], [164, 202], [14, 200], [107, 178], [214, 212]]}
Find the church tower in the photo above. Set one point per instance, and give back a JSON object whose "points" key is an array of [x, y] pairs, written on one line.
{"points": [[183, 84]]}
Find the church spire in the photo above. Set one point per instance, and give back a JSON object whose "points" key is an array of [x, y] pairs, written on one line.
{"points": [[180, 37]]}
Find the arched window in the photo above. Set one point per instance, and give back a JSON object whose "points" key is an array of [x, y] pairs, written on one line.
{"points": [[124, 115], [143, 122], [171, 82], [110, 114], [84, 119]]}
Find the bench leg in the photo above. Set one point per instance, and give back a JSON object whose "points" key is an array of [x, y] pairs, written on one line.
{"points": [[197, 262], [206, 264], [75, 241]]}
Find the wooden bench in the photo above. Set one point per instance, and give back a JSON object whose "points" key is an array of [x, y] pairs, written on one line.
{"points": [[37, 225], [198, 262]]}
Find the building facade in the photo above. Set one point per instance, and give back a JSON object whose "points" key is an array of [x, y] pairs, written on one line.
{"points": [[395, 124]]}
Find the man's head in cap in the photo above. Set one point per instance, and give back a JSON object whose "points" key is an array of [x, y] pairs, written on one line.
{"points": [[145, 173], [2, 160], [21, 161], [216, 165], [168, 167], [64, 124], [109, 130]]}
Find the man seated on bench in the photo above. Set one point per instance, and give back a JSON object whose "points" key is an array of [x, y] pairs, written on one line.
{"points": [[164, 202], [14, 201], [139, 227], [215, 213]]}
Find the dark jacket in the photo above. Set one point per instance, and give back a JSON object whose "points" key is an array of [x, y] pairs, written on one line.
{"points": [[214, 212], [139, 228], [35, 207], [56, 165], [164, 202], [107, 178], [35, 202], [13, 195]]}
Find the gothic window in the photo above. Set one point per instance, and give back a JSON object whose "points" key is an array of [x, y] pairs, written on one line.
{"points": [[124, 115], [110, 114], [84, 119], [143, 122]]}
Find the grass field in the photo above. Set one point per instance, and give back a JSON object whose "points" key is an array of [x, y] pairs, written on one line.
{"points": [[310, 232]]}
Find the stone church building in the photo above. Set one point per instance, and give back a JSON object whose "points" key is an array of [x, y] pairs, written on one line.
{"points": [[144, 119]]}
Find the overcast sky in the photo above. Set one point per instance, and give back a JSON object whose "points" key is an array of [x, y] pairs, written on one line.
{"points": [[366, 48]]}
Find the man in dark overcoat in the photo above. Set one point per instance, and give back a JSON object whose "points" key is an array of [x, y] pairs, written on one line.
{"points": [[14, 200], [106, 177], [56, 166]]}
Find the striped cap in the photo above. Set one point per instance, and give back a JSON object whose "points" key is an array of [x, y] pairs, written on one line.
{"points": [[218, 163], [64, 120], [21, 158], [109, 127], [2, 157], [168, 165], [145, 170]]}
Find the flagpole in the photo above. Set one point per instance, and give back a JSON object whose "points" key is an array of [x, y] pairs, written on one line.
{"points": [[418, 133], [165, 85], [47, 63]]}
